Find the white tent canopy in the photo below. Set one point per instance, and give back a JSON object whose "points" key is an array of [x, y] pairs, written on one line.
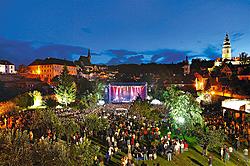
{"points": [[156, 102], [236, 104]]}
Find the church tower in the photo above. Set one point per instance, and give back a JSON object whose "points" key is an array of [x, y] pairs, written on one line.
{"points": [[226, 50]]}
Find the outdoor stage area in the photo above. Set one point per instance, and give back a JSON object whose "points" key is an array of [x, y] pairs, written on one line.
{"points": [[125, 92]]}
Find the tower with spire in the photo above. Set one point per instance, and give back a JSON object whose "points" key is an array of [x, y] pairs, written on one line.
{"points": [[226, 50]]}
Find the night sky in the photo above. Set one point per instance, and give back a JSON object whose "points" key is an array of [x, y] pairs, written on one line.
{"points": [[122, 31]]}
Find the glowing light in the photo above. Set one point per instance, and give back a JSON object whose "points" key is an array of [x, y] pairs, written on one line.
{"points": [[213, 93], [156, 102], [38, 71], [38, 99], [180, 120]]}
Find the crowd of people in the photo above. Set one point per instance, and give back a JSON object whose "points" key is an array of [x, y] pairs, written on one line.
{"points": [[237, 132], [138, 138]]}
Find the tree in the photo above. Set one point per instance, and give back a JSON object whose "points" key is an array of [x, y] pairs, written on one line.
{"points": [[66, 89], [93, 123], [7, 107], [45, 119], [243, 58], [144, 109], [88, 101], [37, 98], [83, 154], [14, 148], [84, 86], [212, 139], [99, 90], [24, 100], [185, 111], [50, 103], [45, 153], [71, 127]]}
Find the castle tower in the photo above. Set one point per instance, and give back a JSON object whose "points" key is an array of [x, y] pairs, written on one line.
{"points": [[226, 50]]}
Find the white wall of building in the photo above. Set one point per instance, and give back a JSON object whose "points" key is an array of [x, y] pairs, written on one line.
{"points": [[7, 69]]}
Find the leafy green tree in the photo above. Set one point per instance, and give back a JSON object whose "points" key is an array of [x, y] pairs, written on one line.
{"points": [[24, 100], [144, 109], [99, 90], [213, 139], [50, 103], [37, 98], [66, 89], [14, 148], [71, 127], [84, 87], [83, 154], [44, 120], [185, 111], [88, 101], [94, 123], [45, 153]]}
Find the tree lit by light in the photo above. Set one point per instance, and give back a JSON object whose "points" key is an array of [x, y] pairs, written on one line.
{"points": [[180, 120], [38, 99]]}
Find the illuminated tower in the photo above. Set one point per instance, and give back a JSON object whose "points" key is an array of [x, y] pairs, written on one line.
{"points": [[226, 50]]}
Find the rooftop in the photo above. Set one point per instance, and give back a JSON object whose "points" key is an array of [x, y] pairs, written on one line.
{"points": [[50, 61], [5, 62]]}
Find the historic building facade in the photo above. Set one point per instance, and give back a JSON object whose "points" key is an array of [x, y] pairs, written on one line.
{"points": [[49, 68], [7, 67]]}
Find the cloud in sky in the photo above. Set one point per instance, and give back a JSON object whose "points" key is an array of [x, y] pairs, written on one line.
{"points": [[120, 52], [86, 30], [137, 59], [169, 55], [209, 52], [24, 52], [237, 36]]}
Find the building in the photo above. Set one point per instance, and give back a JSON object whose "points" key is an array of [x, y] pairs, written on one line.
{"points": [[49, 68], [84, 60], [227, 55], [19, 83], [6, 67], [237, 109], [226, 49]]}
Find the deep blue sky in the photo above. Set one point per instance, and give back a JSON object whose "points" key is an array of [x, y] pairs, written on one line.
{"points": [[122, 31]]}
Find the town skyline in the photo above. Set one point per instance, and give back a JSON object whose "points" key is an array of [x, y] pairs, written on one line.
{"points": [[138, 32]]}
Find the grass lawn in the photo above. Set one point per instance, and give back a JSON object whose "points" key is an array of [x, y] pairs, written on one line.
{"points": [[194, 157], [191, 157]]}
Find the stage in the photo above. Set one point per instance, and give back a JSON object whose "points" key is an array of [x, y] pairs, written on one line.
{"points": [[125, 92]]}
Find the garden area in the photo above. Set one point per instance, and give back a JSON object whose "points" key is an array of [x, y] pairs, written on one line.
{"points": [[73, 128]]}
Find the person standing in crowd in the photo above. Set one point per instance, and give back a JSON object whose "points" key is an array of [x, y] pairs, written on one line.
{"points": [[145, 153], [169, 153], [221, 153], [210, 160], [245, 153], [226, 155], [182, 146], [31, 137]]}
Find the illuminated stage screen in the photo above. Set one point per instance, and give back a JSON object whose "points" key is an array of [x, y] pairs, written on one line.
{"points": [[126, 92]]}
